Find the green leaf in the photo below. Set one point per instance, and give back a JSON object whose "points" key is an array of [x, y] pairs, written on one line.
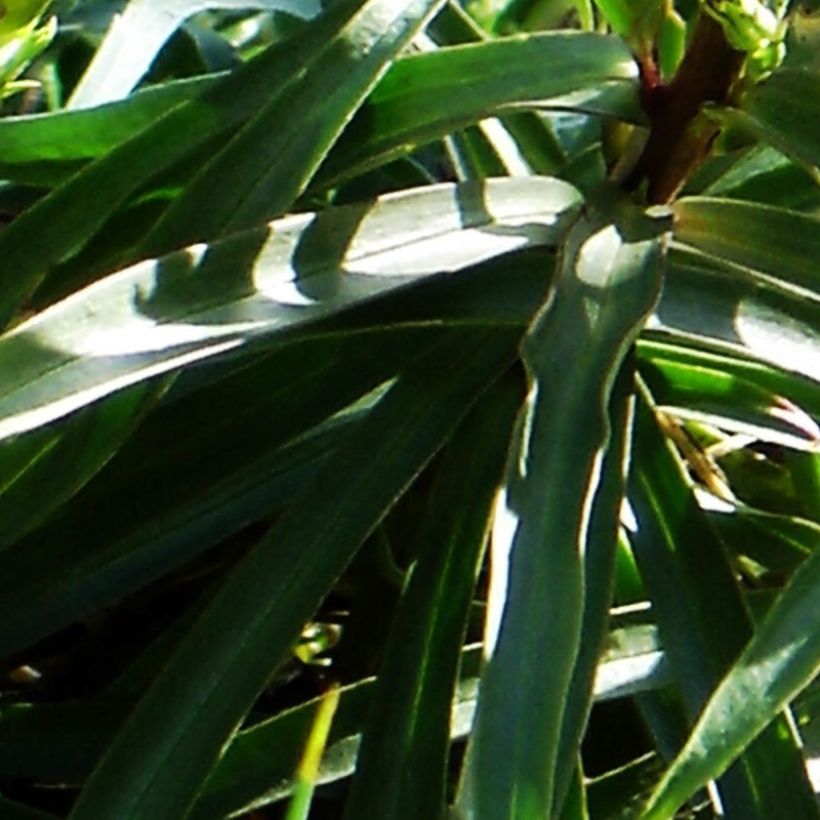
{"points": [[599, 565], [779, 543], [702, 618], [12, 810], [760, 174], [424, 96], [136, 36], [40, 472], [163, 314], [736, 395], [608, 283], [46, 148], [200, 468], [782, 658], [785, 112], [403, 759], [783, 245], [266, 165], [248, 627], [75, 212], [706, 305]]}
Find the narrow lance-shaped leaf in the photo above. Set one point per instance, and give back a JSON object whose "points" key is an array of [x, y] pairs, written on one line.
{"points": [[608, 283], [136, 36], [703, 620], [163, 314], [782, 658], [707, 306], [196, 471], [73, 213], [158, 762], [266, 165], [401, 773], [45, 148], [783, 245], [785, 112], [413, 103], [598, 568], [40, 472], [425, 96]]}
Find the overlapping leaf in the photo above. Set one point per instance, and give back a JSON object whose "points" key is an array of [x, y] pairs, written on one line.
{"points": [[703, 620], [784, 111], [425, 96], [136, 35], [202, 694], [166, 313], [608, 283], [401, 771], [354, 38]]}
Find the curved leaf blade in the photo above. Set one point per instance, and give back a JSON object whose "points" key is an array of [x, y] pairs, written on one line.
{"points": [[45, 148], [400, 774], [206, 301], [136, 36], [249, 626], [608, 284], [426, 96], [703, 620], [784, 245], [785, 112], [267, 164], [72, 214], [782, 659], [706, 307]]}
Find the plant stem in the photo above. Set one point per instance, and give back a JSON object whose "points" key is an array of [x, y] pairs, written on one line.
{"points": [[679, 139]]}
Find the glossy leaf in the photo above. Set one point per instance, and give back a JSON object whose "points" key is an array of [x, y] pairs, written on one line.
{"points": [[267, 163], [136, 35], [733, 394], [212, 300], [781, 659], [784, 111], [608, 283], [598, 570], [705, 306], [248, 627], [45, 148], [197, 471], [73, 213], [425, 96], [781, 244], [702, 618], [403, 758]]}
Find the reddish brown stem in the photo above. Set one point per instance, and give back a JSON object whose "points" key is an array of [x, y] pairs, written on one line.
{"points": [[678, 142]]}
